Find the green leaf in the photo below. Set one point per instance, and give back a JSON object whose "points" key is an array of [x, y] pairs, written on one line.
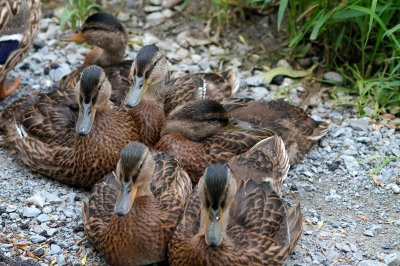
{"points": [[243, 40], [281, 12], [371, 19], [320, 22], [289, 72]]}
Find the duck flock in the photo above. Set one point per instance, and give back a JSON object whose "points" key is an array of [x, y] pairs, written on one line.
{"points": [[179, 170]]}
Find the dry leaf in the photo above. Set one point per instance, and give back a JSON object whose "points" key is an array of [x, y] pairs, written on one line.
{"points": [[388, 116], [377, 126], [377, 182], [84, 259], [197, 42], [320, 224], [362, 217]]}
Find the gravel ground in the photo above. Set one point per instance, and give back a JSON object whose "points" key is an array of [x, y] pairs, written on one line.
{"points": [[350, 219]]}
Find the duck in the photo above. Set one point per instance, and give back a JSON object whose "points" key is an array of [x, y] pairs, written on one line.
{"points": [[110, 38], [236, 215], [75, 150], [151, 82], [202, 132], [298, 130], [132, 213], [19, 25]]}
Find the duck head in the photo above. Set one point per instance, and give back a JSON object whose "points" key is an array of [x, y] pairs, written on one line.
{"points": [[104, 31], [93, 92], [150, 72], [217, 189], [200, 119], [134, 172]]}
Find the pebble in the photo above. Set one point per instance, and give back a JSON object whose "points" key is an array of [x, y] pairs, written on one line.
{"points": [[43, 218], [351, 164], [255, 81], [11, 208], [36, 200], [167, 13], [37, 239], [155, 18], [343, 247], [359, 124], [61, 260], [371, 263], [39, 252], [149, 39], [214, 50], [156, 2], [31, 212], [393, 259], [333, 77], [54, 249], [59, 72], [47, 209]]}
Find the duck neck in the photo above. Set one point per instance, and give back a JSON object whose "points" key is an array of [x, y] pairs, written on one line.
{"points": [[107, 57], [156, 93]]}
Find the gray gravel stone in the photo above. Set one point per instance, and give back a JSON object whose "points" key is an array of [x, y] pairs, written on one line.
{"points": [[11, 208], [155, 18], [37, 239], [351, 164], [37, 200], [31, 212], [54, 249], [359, 124], [334, 77], [393, 259], [371, 263], [43, 218], [255, 81], [61, 260]]}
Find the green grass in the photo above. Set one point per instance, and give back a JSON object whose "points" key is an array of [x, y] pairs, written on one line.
{"points": [[76, 11], [224, 10], [359, 38]]}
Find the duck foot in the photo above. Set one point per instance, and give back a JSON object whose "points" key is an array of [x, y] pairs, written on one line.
{"points": [[4, 91]]}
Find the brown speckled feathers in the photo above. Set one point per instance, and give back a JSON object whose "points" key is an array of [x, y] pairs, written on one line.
{"points": [[260, 229], [297, 129], [142, 235]]}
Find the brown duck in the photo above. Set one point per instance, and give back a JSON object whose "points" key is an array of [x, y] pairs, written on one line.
{"points": [[202, 132], [151, 82], [297, 129], [110, 39], [109, 36], [236, 215], [78, 151], [132, 213], [19, 25]]}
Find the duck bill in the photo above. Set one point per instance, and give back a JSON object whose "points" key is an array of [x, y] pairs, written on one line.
{"points": [[214, 227], [236, 124], [85, 119], [125, 198], [73, 37], [136, 92]]}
